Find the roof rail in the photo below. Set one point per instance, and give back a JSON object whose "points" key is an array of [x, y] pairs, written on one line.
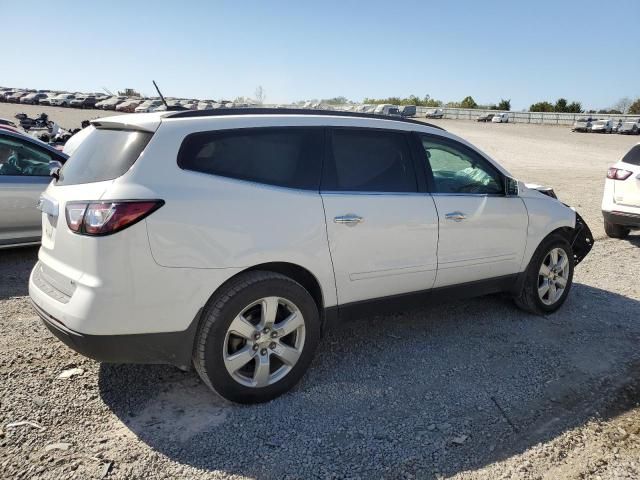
{"points": [[221, 112]]}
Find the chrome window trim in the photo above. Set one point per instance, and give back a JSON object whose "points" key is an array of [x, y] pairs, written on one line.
{"points": [[364, 192]]}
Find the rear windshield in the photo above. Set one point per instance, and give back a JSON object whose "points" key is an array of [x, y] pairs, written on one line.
{"points": [[103, 155], [633, 156]]}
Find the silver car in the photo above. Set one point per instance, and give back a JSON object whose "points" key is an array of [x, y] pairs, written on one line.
{"points": [[25, 166]]}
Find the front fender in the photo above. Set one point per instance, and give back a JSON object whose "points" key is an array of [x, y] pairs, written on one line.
{"points": [[546, 215]]}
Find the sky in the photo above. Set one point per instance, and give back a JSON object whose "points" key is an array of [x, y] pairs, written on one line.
{"points": [[585, 50]]}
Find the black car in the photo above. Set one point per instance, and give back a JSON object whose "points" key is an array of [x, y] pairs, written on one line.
{"points": [[487, 117]]}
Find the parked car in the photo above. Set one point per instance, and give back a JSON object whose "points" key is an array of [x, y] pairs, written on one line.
{"points": [[602, 126], [487, 117], [46, 100], [408, 111], [25, 165], [621, 199], [435, 113], [16, 96], [128, 106], [150, 264], [33, 98], [583, 124], [148, 106], [630, 127], [383, 109], [204, 106], [62, 100], [83, 101], [500, 118], [111, 103]]}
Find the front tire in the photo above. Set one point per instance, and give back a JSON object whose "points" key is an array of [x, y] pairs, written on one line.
{"points": [[548, 277], [257, 337], [615, 231]]}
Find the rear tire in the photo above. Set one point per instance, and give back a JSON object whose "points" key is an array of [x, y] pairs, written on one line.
{"points": [[615, 231], [243, 351], [548, 277]]}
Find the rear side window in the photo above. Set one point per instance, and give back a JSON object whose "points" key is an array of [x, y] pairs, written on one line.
{"points": [[285, 157], [369, 161], [632, 156], [103, 155]]}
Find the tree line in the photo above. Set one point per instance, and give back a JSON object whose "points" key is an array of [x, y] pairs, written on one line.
{"points": [[624, 106]]}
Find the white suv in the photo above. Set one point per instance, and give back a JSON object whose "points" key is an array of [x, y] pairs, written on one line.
{"points": [[621, 199], [230, 239]]}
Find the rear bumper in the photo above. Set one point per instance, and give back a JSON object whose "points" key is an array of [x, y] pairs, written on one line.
{"points": [[174, 348], [631, 220]]}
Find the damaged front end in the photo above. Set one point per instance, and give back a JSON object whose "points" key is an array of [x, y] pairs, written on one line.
{"points": [[581, 238]]}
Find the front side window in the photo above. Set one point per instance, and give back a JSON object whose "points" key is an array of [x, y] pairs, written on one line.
{"points": [[363, 160], [458, 170], [285, 157], [19, 158]]}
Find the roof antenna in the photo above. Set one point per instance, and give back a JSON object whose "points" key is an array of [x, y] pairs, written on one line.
{"points": [[160, 93], [169, 108]]}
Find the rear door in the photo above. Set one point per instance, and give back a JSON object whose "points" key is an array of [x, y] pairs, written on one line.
{"points": [[382, 226], [627, 192], [24, 174], [482, 232]]}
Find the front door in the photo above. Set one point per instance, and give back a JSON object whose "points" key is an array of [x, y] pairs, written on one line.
{"points": [[382, 230], [483, 232]]}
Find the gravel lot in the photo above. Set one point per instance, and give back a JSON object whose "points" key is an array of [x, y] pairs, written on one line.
{"points": [[474, 389]]}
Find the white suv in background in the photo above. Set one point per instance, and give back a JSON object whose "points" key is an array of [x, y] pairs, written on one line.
{"points": [[621, 199], [230, 239]]}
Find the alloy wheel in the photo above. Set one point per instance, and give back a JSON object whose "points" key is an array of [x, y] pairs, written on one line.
{"points": [[264, 342], [553, 276]]}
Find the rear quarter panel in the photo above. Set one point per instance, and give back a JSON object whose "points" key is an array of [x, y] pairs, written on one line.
{"points": [[212, 222]]}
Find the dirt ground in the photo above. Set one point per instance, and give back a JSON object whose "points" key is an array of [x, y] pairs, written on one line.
{"points": [[467, 390]]}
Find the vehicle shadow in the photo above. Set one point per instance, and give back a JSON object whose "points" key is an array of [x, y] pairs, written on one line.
{"points": [[15, 267], [442, 389]]}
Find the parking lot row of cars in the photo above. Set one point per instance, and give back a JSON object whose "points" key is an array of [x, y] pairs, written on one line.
{"points": [[121, 103], [607, 125]]}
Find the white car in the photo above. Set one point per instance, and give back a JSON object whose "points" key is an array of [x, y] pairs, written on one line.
{"points": [[500, 118], [630, 127], [621, 199], [602, 126], [225, 239], [62, 100], [386, 109], [148, 106]]}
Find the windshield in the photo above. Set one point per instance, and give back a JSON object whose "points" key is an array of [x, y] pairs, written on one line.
{"points": [[104, 155]]}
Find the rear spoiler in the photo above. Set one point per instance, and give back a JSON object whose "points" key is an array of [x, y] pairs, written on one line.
{"points": [[106, 124]]}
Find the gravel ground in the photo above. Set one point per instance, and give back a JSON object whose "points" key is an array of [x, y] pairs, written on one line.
{"points": [[474, 389]]}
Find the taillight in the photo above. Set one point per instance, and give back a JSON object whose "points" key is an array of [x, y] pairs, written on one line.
{"points": [[105, 218], [618, 174]]}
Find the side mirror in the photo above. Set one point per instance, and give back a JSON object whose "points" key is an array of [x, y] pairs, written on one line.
{"points": [[511, 187], [54, 169]]}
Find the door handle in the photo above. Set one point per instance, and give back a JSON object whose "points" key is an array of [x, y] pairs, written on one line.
{"points": [[455, 216], [350, 219]]}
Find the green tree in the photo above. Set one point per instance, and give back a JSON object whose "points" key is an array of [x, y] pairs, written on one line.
{"points": [[336, 101], [541, 107], [574, 107], [561, 105], [634, 108], [504, 104], [410, 100], [468, 102]]}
